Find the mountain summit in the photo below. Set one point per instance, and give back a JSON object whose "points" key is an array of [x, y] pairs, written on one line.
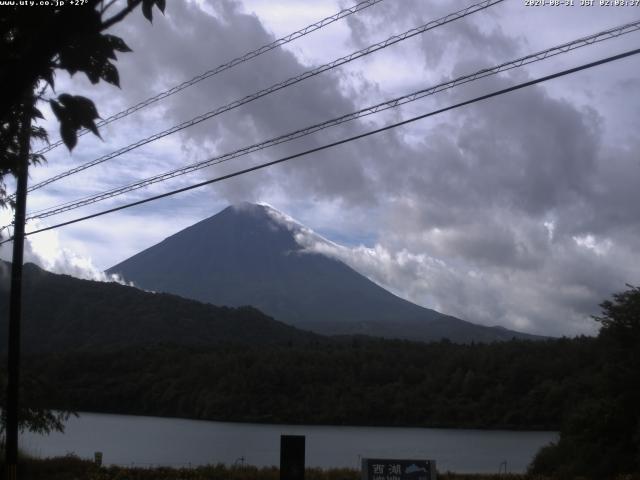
{"points": [[248, 255]]}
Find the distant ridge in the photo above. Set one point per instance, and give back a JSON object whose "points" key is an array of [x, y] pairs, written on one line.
{"points": [[248, 255], [63, 313]]}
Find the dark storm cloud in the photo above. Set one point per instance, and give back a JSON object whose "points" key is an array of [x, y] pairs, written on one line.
{"points": [[481, 186], [454, 39], [221, 38], [525, 151], [514, 211]]}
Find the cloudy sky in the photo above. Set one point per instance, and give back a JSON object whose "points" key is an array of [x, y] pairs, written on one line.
{"points": [[520, 211]]}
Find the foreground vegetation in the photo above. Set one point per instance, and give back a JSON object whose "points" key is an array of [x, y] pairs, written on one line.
{"points": [[600, 435], [72, 468], [587, 387]]}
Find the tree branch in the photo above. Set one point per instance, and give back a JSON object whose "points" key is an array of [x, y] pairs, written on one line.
{"points": [[120, 15], [107, 6]]}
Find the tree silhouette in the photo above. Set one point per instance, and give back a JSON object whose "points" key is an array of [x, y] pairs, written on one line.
{"points": [[621, 318], [37, 41], [601, 437]]}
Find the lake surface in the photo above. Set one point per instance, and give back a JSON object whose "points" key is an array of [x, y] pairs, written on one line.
{"points": [[152, 441]]}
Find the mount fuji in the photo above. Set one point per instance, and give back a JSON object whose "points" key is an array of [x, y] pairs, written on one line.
{"points": [[248, 254]]}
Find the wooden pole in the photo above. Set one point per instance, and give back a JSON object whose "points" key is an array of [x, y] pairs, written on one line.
{"points": [[15, 301]]}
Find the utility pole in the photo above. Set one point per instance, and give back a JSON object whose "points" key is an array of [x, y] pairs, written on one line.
{"points": [[15, 302]]}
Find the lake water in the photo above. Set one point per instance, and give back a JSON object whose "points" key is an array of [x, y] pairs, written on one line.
{"points": [[152, 441]]}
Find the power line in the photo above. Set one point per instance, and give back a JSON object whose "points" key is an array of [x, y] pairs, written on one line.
{"points": [[278, 86], [343, 141], [526, 60], [221, 68]]}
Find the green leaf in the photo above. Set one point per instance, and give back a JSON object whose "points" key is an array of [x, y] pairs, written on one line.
{"points": [[68, 135], [65, 99], [39, 133], [85, 113], [110, 54], [90, 55], [57, 109], [110, 74], [117, 43], [35, 113], [48, 77], [74, 112], [87, 106], [147, 6], [93, 75], [36, 158]]}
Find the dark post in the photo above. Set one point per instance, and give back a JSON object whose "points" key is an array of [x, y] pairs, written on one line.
{"points": [[15, 302], [292, 457]]}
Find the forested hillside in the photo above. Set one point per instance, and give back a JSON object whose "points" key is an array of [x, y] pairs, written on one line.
{"points": [[63, 313], [517, 384]]}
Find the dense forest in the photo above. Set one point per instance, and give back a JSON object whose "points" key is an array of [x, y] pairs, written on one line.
{"points": [[518, 384], [589, 388], [150, 354]]}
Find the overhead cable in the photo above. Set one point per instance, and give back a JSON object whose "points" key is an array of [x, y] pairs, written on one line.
{"points": [[278, 86], [226, 66], [340, 142], [519, 62]]}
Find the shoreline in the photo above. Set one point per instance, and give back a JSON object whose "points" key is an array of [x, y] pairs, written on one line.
{"points": [[127, 440], [328, 425]]}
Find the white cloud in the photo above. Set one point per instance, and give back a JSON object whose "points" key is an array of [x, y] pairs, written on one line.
{"points": [[599, 247], [520, 211], [45, 250]]}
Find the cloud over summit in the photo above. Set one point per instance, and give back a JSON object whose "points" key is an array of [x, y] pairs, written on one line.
{"points": [[454, 212]]}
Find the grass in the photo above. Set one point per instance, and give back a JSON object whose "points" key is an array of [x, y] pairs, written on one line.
{"points": [[74, 468]]}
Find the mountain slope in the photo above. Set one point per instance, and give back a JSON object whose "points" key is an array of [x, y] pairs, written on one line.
{"points": [[64, 313], [246, 255]]}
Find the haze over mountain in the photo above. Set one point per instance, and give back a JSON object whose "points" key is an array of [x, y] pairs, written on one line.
{"points": [[248, 255]]}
